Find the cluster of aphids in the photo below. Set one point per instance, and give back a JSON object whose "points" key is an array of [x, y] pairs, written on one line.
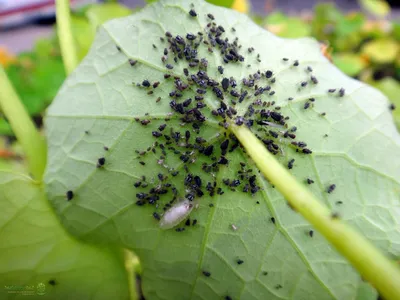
{"points": [[252, 96]]}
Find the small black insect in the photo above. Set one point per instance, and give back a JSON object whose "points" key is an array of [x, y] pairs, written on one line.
{"points": [[169, 66], [239, 261], [290, 164], [100, 162], [392, 106], [306, 151], [190, 36], [209, 150], [210, 16], [132, 62], [194, 222], [268, 74], [192, 13], [168, 34], [304, 83], [206, 273], [314, 79], [220, 69], [296, 63], [310, 181], [52, 282], [156, 216], [156, 134], [331, 90], [225, 83], [306, 105], [70, 195], [342, 91], [335, 215], [180, 229], [331, 188], [146, 83], [311, 233], [273, 220]]}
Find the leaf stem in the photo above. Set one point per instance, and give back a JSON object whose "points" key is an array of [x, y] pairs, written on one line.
{"points": [[383, 274], [65, 36], [131, 263], [32, 142]]}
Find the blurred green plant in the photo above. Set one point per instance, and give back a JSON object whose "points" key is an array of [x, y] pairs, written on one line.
{"points": [[366, 49]]}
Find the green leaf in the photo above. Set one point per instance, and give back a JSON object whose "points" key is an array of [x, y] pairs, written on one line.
{"points": [[224, 3], [102, 105], [37, 256], [290, 27], [83, 33], [391, 88], [37, 78], [350, 63], [382, 51], [98, 14], [379, 8]]}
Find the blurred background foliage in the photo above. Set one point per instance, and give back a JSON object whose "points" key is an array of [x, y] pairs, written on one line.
{"points": [[364, 44]]}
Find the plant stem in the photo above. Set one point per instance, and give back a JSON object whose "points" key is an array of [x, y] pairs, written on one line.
{"points": [[131, 263], [383, 274], [32, 142], [65, 36]]}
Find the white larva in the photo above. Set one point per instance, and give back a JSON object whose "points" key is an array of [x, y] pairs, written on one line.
{"points": [[176, 214]]}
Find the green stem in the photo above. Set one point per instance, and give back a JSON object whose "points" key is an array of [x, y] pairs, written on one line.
{"points": [[131, 262], [65, 36], [383, 274], [32, 142]]}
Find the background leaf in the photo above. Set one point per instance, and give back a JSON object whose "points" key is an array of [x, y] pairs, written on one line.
{"points": [[36, 249], [103, 104]]}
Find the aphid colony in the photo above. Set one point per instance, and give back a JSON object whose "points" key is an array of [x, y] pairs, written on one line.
{"points": [[188, 103]]}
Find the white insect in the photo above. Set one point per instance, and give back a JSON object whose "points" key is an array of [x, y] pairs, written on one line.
{"points": [[176, 214]]}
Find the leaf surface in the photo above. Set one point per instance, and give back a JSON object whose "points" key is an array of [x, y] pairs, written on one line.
{"points": [[105, 103], [36, 250]]}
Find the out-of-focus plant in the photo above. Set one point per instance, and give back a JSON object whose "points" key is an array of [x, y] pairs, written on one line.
{"points": [[363, 48]]}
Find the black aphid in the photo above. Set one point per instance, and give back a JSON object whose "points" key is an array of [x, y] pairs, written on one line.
{"points": [[146, 83], [194, 222], [210, 16], [273, 220], [168, 34], [70, 195], [311, 233], [331, 90], [335, 215], [52, 282], [156, 216], [169, 66], [118, 48], [296, 63], [314, 79], [306, 151], [392, 106], [220, 69], [290, 163], [209, 150], [239, 261], [100, 162], [190, 36], [162, 127], [223, 160], [342, 91], [187, 223], [132, 62], [304, 83], [310, 181], [225, 83], [206, 273], [268, 74], [306, 105], [180, 229], [156, 134], [192, 13], [331, 188]]}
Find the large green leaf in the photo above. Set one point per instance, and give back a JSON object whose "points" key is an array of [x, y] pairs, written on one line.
{"points": [[104, 104], [38, 259]]}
